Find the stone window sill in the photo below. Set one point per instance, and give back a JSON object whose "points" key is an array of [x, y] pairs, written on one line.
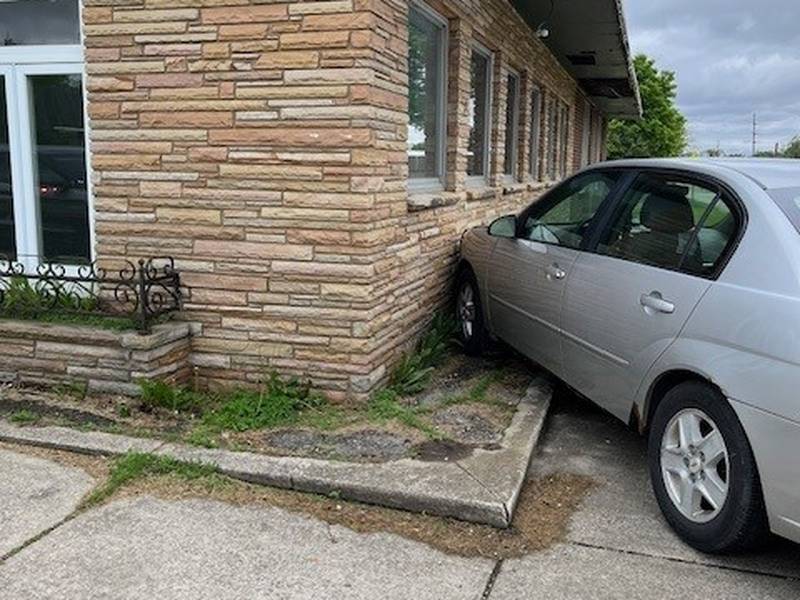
{"points": [[420, 202], [486, 193]]}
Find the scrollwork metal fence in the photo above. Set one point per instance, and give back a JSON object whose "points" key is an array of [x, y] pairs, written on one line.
{"points": [[143, 292]]}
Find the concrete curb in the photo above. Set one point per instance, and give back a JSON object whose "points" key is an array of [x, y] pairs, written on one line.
{"points": [[483, 488]]}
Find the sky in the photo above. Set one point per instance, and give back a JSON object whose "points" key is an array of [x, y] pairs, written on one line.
{"points": [[731, 58]]}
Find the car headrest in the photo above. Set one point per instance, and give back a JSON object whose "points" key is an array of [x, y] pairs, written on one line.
{"points": [[667, 210]]}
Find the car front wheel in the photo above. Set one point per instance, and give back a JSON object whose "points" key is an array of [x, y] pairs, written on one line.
{"points": [[469, 314], [703, 471]]}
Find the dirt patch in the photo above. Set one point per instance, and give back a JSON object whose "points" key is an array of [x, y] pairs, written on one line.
{"points": [[363, 445], [541, 519], [9, 407], [468, 404]]}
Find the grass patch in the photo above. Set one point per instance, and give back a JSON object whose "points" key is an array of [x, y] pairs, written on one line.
{"points": [[276, 404], [386, 406], [24, 417], [135, 466], [159, 394]]}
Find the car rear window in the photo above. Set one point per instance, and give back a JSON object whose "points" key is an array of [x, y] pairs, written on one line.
{"points": [[789, 201]]}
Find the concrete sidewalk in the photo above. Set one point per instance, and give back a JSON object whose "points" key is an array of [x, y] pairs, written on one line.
{"points": [[144, 547]]}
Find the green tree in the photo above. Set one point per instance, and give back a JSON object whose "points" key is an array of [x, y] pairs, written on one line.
{"points": [[793, 149], [662, 130]]}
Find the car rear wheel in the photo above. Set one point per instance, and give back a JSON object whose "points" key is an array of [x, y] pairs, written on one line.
{"points": [[703, 471], [469, 314]]}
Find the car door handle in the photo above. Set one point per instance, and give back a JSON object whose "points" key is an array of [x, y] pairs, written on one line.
{"points": [[654, 301], [555, 272]]}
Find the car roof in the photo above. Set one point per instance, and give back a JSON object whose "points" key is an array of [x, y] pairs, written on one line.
{"points": [[769, 173]]}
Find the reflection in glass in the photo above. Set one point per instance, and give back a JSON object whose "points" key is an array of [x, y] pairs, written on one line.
{"points": [[7, 245], [425, 68], [61, 167], [28, 22], [478, 115]]}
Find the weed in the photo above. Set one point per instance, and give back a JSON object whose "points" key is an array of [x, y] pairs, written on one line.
{"points": [[24, 417], [277, 403], [76, 390], [414, 371], [386, 406], [134, 466], [22, 300], [159, 394], [203, 436]]}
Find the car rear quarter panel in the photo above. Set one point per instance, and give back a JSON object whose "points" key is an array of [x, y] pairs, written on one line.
{"points": [[744, 336]]}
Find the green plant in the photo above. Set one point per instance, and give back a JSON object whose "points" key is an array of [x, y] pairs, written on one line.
{"points": [[414, 371], [385, 406], [277, 403], [133, 466], [21, 300], [24, 417], [159, 394]]}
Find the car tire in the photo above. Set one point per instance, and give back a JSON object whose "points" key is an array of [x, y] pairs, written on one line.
{"points": [[687, 480], [469, 314]]}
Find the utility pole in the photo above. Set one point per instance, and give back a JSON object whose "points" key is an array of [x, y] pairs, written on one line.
{"points": [[755, 133]]}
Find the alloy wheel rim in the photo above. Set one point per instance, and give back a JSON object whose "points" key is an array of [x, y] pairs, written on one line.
{"points": [[695, 466], [466, 311]]}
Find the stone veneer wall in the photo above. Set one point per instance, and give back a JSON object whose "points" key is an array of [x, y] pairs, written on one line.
{"points": [[43, 354], [262, 144], [417, 266]]}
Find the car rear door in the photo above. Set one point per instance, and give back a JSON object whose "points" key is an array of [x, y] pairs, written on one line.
{"points": [[650, 264], [528, 273]]}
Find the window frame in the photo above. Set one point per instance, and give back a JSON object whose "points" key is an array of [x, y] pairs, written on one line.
{"points": [[513, 177], [587, 134], [436, 183], [17, 63], [547, 202], [534, 144], [564, 117], [483, 180], [725, 192]]}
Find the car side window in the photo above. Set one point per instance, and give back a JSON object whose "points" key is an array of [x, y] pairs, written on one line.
{"points": [[672, 223], [563, 218]]}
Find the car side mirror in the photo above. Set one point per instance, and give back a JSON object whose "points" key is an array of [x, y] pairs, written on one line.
{"points": [[504, 227]]}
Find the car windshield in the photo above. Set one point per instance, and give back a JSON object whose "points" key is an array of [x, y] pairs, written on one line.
{"points": [[789, 201]]}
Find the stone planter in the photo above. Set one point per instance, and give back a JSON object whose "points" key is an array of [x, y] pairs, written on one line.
{"points": [[45, 354]]}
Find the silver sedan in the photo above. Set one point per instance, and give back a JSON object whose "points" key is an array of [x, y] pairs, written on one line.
{"points": [[668, 292]]}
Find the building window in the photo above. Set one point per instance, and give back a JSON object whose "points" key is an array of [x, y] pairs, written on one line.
{"points": [[552, 138], [534, 161], [512, 126], [479, 114], [563, 128], [587, 135], [45, 213], [39, 22], [427, 89]]}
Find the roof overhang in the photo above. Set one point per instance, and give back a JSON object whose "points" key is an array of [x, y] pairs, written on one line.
{"points": [[590, 38]]}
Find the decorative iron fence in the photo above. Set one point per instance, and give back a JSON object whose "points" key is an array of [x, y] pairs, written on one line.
{"points": [[143, 292]]}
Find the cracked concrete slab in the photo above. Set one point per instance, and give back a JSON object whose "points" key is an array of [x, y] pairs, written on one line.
{"points": [[35, 495], [571, 572], [482, 488], [194, 549]]}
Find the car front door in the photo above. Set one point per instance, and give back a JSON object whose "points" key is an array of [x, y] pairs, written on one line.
{"points": [[627, 300], [528, 272]]}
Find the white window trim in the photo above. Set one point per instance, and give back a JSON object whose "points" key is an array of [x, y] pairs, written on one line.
{"points": [[476, 181], [514, 176], [17, 63], [534, 158], [436, 184]]}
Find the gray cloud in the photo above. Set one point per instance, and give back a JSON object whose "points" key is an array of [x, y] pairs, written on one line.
{"points": [[732, 58]]}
